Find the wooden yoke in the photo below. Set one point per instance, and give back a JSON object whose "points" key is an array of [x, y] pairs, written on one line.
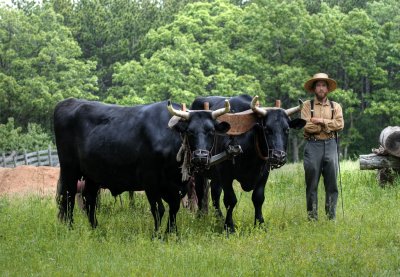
{"points": [[240, 122], [243, 121]]}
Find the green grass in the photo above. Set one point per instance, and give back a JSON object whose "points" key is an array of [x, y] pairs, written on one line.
{"points": [[365, 242]]}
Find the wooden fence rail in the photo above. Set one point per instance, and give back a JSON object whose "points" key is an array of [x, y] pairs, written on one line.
{"points": [[47, 157]]}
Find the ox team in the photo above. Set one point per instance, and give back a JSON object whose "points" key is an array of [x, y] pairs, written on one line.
{"points": [[131, 148]]}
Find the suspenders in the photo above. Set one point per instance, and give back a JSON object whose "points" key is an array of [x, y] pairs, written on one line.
{"points": [[312, 114], [312, 108]]}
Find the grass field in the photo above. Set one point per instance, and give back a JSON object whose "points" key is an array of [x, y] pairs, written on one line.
{"points": [[363, 242]]}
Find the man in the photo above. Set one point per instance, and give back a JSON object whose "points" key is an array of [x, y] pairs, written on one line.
{"points": [[324, 118]]}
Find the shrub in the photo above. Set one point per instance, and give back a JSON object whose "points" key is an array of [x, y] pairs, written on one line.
{"points": [[13, 138]]}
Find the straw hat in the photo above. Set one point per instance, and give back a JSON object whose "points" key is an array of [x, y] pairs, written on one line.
{"points": [[308, 86]]}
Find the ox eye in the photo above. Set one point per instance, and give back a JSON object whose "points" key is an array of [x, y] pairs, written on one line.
{"points": [[287, 130], [267, 131], [190, 133]]}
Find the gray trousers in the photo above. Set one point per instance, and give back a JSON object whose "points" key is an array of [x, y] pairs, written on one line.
{"points": [[320, 158]]}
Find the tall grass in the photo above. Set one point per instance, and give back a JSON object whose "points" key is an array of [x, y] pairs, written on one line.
{"points": [[363, 242]]}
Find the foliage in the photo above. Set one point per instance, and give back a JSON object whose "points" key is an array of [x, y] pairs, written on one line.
{"points": [[384, 102], [111, 31], [365, 241], [39, 66], [267, 48], [13, 138], [196, 55], [134, 52]]}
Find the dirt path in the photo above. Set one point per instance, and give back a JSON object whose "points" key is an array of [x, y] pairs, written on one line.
{"points": [[24, 180]]}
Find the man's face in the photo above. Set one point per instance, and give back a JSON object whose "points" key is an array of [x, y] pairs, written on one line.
{"points": [[321, 90]]}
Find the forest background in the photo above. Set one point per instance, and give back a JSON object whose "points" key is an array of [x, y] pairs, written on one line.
{"points": [[132, 52]]}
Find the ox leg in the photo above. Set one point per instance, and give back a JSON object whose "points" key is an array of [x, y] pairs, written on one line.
{"points": [[173, 210], [201, 187], [160, 213], [230, 203], [173, 199], [216, 191], [90, 194], [131, 198], [258, 198], [157, 209], [66, 190]]}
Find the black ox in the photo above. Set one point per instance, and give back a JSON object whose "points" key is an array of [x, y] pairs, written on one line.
{"points": [[127, 149], [262, 134]]}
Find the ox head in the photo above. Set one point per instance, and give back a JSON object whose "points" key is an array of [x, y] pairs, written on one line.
{"points": [[273, 127], [199, 129]]}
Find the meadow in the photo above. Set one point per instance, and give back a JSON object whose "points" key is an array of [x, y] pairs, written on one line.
{"points": [[363, 241]]}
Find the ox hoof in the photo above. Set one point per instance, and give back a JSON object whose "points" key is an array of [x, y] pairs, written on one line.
{"points": [[218, 213], [229, 229], [157, 235]]}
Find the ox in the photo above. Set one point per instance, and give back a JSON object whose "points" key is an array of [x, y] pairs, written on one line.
{"points": [[127, 149], [262, 134]]}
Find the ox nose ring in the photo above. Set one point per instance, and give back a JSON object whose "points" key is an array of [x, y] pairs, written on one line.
{"points": [[201, 157], [279, 155], [277, 158]]}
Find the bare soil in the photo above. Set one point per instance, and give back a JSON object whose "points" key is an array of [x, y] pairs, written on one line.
{"points": [[25, 180]]}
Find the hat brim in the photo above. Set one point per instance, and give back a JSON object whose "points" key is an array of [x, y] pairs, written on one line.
{"points": [[308, 86]]}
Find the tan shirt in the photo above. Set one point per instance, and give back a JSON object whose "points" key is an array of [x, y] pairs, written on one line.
{"points": [[327, 129]]}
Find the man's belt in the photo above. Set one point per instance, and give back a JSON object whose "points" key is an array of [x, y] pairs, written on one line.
{"points": [[312, 138]]}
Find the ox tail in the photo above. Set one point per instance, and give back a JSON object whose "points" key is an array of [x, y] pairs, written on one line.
{"points": [[62, 199]]}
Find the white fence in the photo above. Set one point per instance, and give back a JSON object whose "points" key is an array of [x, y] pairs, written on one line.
{"points": [[47, 157]]}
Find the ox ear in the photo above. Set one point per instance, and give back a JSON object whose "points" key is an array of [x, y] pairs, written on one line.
{"points": [[173, 121], [180, 126], [222, 127], [297, 123]]}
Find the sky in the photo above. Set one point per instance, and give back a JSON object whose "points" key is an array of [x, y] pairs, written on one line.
{"points": [[5, 1], [8, 2]]}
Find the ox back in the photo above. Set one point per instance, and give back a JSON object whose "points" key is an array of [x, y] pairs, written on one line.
{"points": [[121, 149], [264, 143]]}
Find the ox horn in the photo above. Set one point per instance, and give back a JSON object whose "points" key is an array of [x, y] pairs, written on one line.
{"points": [[257, 109], [222, 111], [172, 111], [295, 109]]}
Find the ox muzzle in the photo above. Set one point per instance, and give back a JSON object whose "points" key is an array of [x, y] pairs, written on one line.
{"points": [[276, 158], [201, 158], [273, 157]]}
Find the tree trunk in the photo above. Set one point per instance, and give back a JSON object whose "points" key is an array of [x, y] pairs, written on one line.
{"points": [[373, 161], [390, 140]]}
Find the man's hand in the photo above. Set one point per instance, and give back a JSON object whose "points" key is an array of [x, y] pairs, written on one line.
{"points": [[317, 120]]}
